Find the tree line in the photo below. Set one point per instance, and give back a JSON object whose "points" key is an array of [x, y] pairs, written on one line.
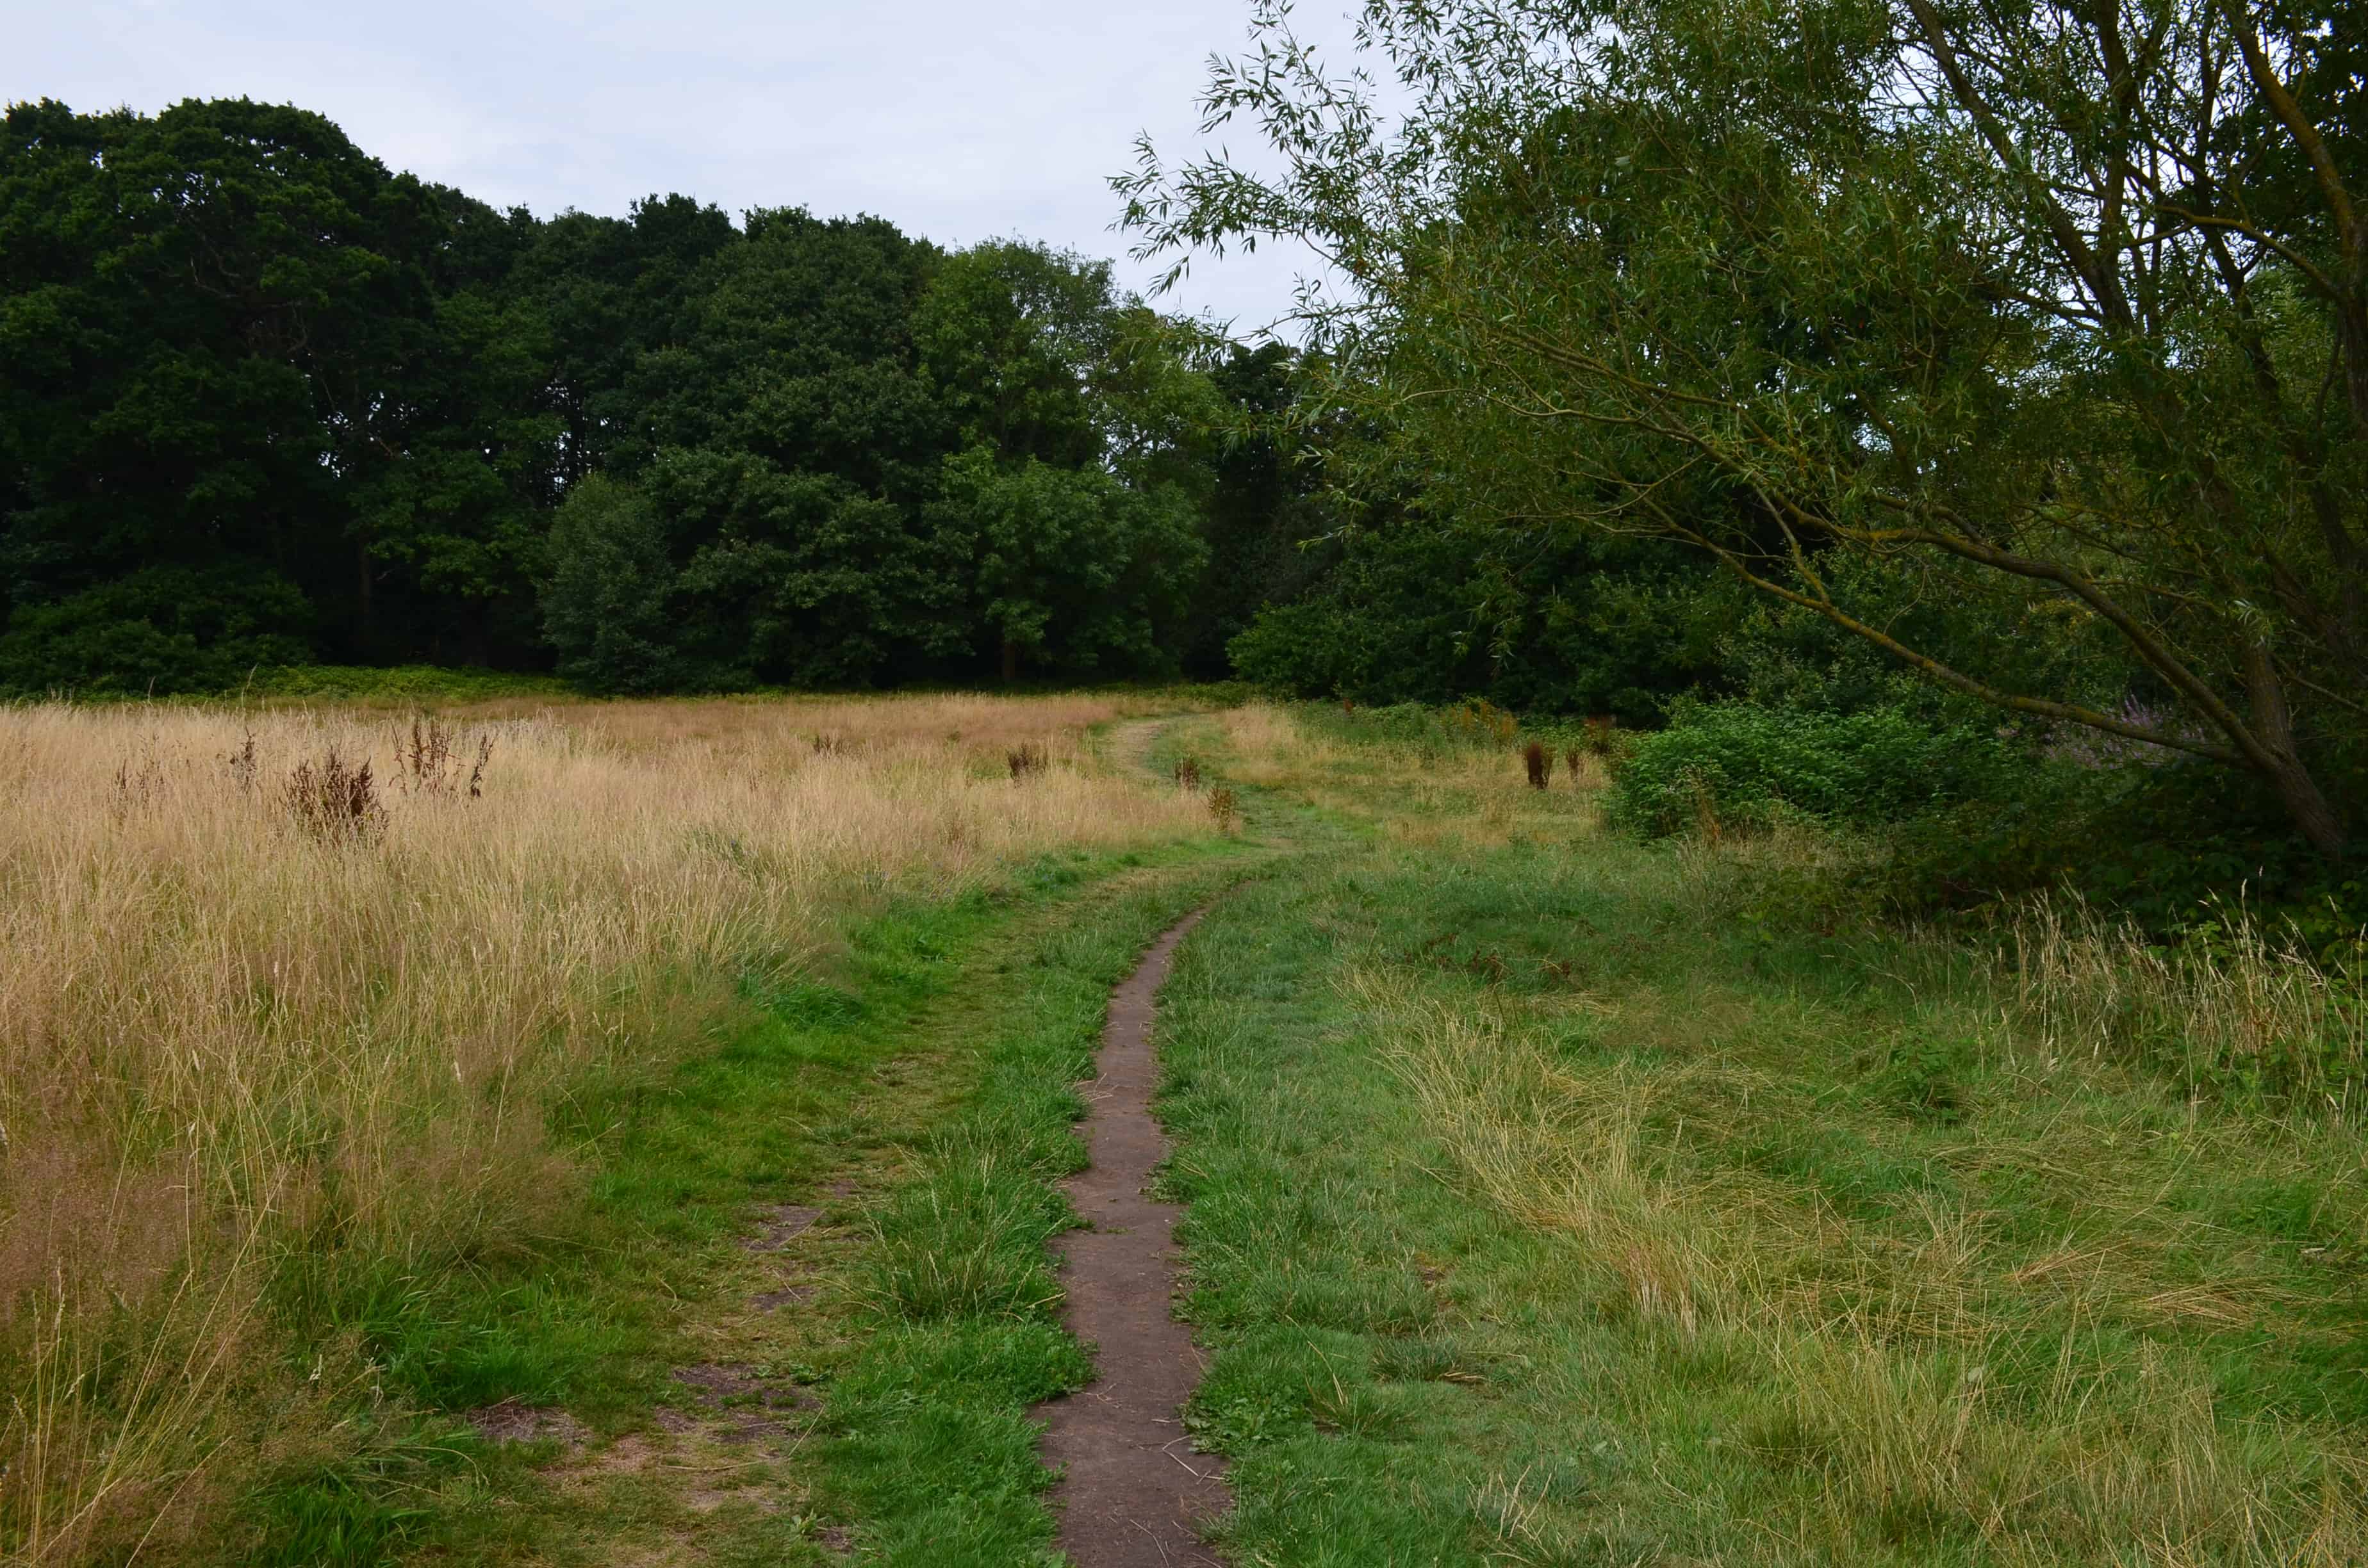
{"points": [[2004, 369], [264, 402]]}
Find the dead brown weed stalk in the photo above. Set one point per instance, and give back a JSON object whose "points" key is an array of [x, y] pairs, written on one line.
{"points": [[335, 800]]}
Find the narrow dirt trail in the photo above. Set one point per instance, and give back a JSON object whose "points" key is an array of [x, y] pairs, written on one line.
{"points": [[1134, 1487]]}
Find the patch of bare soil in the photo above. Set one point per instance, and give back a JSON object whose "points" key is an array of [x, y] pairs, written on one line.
{"points": [[747, 1408], [1133, 1491], [512, 1422], [788, 1296], [780, 1226]]}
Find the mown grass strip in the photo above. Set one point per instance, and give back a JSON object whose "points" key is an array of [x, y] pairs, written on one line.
{"points": [[932, 1445], [930, 1064]]}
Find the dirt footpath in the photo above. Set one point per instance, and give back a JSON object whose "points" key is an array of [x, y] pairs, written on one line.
{"points": [[1134, 1488]]}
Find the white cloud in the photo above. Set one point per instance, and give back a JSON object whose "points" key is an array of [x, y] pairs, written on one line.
{"points": [[956, 121]]}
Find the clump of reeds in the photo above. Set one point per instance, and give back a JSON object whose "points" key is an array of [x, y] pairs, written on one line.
{"points": [[1187, 773], [1224, 807], [1540, 763], [335, 800], [1599, 734], [1025, 759]]}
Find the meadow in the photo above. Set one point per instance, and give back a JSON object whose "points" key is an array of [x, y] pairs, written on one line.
{"points": [[629, 1132], [1560, 1198], [1794, 991], [305, 1007]]}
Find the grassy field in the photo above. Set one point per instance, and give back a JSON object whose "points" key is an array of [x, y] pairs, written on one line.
{"points": [[1560, 1200], [322, 1092], [641, 1149]]}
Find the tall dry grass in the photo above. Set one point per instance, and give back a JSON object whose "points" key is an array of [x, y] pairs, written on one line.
{"points": [[2237, 1004], [226, 1027]]}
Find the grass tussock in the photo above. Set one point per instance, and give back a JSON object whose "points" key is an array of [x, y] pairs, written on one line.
{"points": [[291, 992], [2233, 1006]]}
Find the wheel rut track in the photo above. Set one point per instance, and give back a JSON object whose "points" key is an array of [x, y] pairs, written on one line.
{"points": [[1133, 1489]]}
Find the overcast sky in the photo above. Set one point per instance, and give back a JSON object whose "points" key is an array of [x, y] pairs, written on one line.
{"points": [[956, 120]]}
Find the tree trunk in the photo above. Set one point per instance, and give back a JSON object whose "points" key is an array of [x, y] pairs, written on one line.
{"points": [[2310, 809], [2297, 790], [364, 610], [1010, 661]]}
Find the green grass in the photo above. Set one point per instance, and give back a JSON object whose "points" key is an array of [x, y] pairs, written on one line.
{"points": [[1546, 1208], [919, 1093], [931, 1442], [395, 684], [1554, 1200]]}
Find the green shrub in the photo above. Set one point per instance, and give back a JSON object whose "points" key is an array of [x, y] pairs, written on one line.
{"points": [[2158, 844], [164, 630], [1746, 764], [397, 684], [1305, 650]]}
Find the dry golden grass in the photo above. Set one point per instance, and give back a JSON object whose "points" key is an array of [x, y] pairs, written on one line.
{"points": [[2244, 1003], [1474, 795], [224, 1025]]}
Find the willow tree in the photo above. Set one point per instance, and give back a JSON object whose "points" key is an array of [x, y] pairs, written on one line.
{"points": [[2061, 309]]}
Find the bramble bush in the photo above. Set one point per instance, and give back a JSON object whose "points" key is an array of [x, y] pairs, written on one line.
{"points": [[1966, 816], [1748, 764]]}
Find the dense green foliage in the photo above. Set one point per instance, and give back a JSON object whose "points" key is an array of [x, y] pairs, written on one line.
{"points": [[267, 402], [263, 402], [2053, 318], [1413, 612], [1742, 762], [1963, 814]]}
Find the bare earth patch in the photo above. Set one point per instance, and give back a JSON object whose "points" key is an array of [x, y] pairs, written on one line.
{"points": [[1132, 1492], [512, 1422]]}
